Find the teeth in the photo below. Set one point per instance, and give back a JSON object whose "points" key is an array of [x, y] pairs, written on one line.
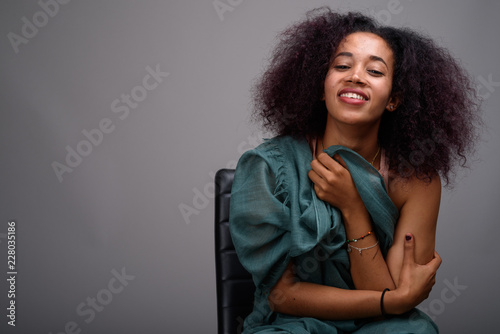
{"points": [[353, 96]]}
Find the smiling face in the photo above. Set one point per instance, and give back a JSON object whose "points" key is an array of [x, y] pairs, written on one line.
{"points": [[359, 82]]}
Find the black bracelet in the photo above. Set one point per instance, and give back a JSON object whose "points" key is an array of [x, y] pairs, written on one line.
{"points": [[382, 302]]}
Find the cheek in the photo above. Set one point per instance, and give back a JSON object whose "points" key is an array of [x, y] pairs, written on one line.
{"points": [[384, 92], [329, 86]]}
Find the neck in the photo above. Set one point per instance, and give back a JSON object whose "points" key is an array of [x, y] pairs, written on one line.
{"points": [[361, 139]]}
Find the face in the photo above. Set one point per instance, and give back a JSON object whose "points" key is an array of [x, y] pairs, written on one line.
{"points": [[359, 82]]}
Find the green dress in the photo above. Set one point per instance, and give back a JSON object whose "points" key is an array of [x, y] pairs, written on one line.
{"points": [[276, 217]]}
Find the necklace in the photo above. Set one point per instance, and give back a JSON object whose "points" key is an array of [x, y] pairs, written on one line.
{"points": [[373, 160], [376, 155]]}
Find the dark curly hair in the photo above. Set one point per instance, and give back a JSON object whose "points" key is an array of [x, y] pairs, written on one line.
{"points": [[434, 126]]}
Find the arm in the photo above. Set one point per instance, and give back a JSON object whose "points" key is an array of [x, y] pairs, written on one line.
{"points": [[417, 201], [368, 269], [258, 222], [334, 185], [371, 273], [291, 296]]}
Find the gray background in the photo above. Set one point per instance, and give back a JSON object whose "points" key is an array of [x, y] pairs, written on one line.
{"points": [[121, 206]]}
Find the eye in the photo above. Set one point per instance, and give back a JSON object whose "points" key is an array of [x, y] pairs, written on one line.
{"points": [[341, 67], [376, 73]]}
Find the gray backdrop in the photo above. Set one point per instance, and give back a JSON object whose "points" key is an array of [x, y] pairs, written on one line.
{"points": [[115, 116]]}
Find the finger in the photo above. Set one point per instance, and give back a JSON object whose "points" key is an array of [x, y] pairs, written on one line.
{"points": [[314, 177], [329, 162], [435, 263], [409, 250], [436, 255], [320, 168], [317, 168], [339, 160]]}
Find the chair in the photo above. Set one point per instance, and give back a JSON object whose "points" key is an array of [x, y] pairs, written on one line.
{"points": [[235, 288]]}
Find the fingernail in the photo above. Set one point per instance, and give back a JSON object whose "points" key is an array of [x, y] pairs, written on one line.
{"points": [[408, 237]]}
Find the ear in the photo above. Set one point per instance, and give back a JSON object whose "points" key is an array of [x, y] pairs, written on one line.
{"points": [[393, 103]]}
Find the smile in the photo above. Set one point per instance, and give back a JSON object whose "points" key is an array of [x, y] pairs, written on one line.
{"points": [[353, 96]]}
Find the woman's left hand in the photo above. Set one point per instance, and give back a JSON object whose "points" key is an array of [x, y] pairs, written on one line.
{"points": [[333, 183]]}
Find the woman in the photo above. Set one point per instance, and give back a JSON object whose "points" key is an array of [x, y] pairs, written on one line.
{"points": [[335, 218]]}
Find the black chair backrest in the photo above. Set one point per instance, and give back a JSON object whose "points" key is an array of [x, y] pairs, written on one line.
{"points": [[235, 288]]}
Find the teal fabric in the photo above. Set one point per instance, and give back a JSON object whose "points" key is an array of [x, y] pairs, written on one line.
{"points": [[276, 217]]}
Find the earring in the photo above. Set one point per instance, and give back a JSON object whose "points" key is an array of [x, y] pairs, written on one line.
{"points": [[391, 107]]}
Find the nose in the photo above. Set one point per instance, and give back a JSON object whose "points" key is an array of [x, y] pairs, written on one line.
{"points": [[356, 77]]}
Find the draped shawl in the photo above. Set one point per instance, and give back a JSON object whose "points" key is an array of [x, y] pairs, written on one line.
{"points": [[276, 217]]}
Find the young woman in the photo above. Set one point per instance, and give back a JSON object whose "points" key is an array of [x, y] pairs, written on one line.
{"points": [[335, 217]]}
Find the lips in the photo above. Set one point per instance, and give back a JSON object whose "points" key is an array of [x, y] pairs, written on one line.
{"points": [[354, 97], [356, 94]]}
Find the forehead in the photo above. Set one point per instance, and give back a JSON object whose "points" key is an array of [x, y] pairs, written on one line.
{"points": [[366, 44]]}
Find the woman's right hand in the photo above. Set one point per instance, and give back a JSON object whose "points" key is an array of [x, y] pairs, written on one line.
{"points": [[415, 281]]}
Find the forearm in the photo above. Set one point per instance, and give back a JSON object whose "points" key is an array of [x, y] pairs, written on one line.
{"points": [[322, 302], [306, 299], [369, 270]]}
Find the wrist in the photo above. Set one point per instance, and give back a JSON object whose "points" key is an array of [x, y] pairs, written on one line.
{"points": [[394, 303], [355, 213]]}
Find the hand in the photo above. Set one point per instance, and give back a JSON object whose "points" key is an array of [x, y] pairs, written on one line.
{"points": [[415, 281], [333, 183]]}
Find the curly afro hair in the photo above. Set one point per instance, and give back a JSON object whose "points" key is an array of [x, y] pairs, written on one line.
{"points": [[434, 126]]}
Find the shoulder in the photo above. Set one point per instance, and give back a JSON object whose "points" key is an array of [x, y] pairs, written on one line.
{"points": [[273, 165], [410, 190], [269, 153], [262, 163], [276, 151]]}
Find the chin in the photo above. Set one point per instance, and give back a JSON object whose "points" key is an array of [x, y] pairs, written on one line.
{"points": [[352, 119]]}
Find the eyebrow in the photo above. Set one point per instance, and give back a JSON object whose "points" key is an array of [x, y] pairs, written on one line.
{"points": [[372, 57]]}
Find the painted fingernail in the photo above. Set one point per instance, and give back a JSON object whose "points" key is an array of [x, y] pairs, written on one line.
{"points": [[408, 237]]}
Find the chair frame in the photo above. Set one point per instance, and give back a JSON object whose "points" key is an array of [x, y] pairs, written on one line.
{"points": [[235, 287]]}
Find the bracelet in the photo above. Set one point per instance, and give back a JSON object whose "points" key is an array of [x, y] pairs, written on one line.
{"points": [[382, 302], [360, 238], [349, 246]]}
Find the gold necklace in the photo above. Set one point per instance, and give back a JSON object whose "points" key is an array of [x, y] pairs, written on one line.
{"points": [[373, 160], [376, 155]]}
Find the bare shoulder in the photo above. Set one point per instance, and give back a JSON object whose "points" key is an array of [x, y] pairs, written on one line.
{"points": [[413, 189]]}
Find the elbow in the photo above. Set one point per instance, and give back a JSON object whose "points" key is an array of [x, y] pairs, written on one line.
{"points": [[425, 258], [277, 300], [281, 295]]}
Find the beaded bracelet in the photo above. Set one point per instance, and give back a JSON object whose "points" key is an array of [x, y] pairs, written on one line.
{"points": [[360, 238]]}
